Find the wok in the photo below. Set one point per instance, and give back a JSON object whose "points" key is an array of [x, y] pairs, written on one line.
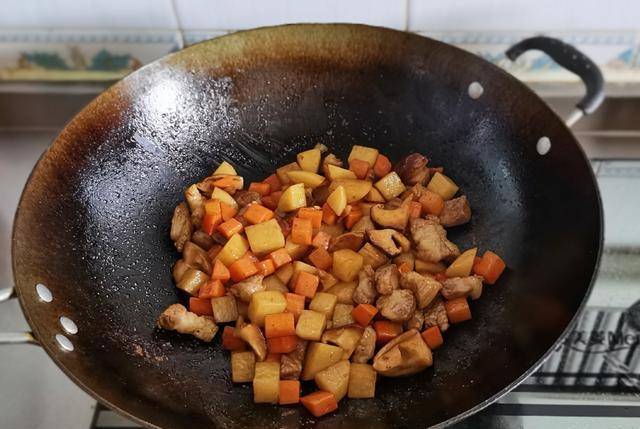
{"points": [[92, 224]]}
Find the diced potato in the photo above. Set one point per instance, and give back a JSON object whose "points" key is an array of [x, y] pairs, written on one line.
{"points": [[443, 186], [344, 291], [242, 366], [307, 178], [303, 266], [309, 160], [233, 250], [347, 338], [463, 264], [390, 186], [334, 379], [225, 168], [284, 273], [323, 303], [295, 250], [429, 267], [374, 196], [224, 309], [342, 315], [282, 172], [192, 280], [337, 200], [224, 196], [293, 198], [272, 282], [310, 325], [354, 188], [265, 237], [362, 381], [327, 279], [318, 357], [266, 302], [347, 264], [333, 230], [266, 382], [373, 256], [364, 153], [334, 172]]}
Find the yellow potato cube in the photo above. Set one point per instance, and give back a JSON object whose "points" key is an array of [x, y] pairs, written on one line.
{"points": [[282, 172], [310, 325], [295, 250], [342, 315], [374, 196], [266, 382], [222, 195], [344, 291], [303, 266], [224, 309], [347, 264], [264, 303], [265, 237], [463, 264], [429, 267], [233, 250], [354, 188], [273, 282], [309, 160], [362, 381], [334, 379], [307, 178], [293, 198], [337, 200], [242, 366], [320, 356], [334, 172], [284, 273], [364, 153], [390, 186], [347, 338], [225, 168], [324, 303], [443, 186]]}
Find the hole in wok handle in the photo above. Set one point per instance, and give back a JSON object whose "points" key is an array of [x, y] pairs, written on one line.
{"points": [[64, 343], [68, 325], [44, 293]]}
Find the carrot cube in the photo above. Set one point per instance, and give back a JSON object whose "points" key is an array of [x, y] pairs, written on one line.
{"points": [[227, 211], [314, 215], [220, 272], [386, 331], [230, 341], [433, 337], [201, 307], [282, 344], [212, 207], [280, 257], [328, 215], [382, 166], [266, 267], [274, 183], [212, 289], [301, 231], [306, 284], [289, 392], [273, 357], [279, 325], [230, 227], [321, 240], [257, 213], [243, 268], [404, 267], [295, 304], [415, 209], [364, 314], [320, 403], [432, 203], [261, 188], [321, 259], [353, 216], [490, 267], [359, 167], [457, 310], [210, 221]]}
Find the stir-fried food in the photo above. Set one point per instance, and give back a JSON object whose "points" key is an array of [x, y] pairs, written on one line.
{"points": [[325, 272]]}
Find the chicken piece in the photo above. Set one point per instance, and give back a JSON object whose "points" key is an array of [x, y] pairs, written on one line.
{"points": [[395, 218], [247, 287], [366, 346], [455, 212], [291, 363], [436, 315], [181, 226], [416, 321], [457, 287], [398, 306], [196, 204], [404, 355], [202, 239], [365, 292], [244, 197], [349, 240], [387, 279], [412, 169], [424, 288], [196, 257], [389, 240], [430, 240], [177, 318]]}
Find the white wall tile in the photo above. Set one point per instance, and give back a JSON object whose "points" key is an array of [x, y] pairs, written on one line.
{"points": [[523, 15], [155, 14], [240, 14]]}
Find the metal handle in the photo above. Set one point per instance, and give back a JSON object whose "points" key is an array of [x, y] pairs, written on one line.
{"points": [[14, 337], [573, 60]]}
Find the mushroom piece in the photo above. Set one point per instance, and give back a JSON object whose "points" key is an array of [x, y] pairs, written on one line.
{"points": [[412, 169], [436, 315], [424, 288], [181, 227], [196, 204], [416, 321], [455, 212], [397, 306], [430, 240], [291, 363], [407, 258], [253, 336], [349, 240], [363, 225], [391, 218], [404, 355], [387, 279], [246, 288], [389, 240], [196, 257], [177, 318], [366, 346], [373, 256], [457, 287], [202, 239], [365, 292], [414, 193], [245, 197]]}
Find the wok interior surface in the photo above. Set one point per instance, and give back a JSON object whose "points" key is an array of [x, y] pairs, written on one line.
{"points": [[94, 217]]}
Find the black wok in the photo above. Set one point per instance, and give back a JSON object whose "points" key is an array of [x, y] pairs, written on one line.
{"points": [[93, 220]]}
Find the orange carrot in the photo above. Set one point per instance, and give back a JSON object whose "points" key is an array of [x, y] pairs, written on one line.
{"points": [[320, 258], [210, 222], [359, 167], [282, 344], [230, 227], [320, 403], [433, 337], [314, 215], [266, 267], [280, 257], [257, 213], [382, 166], [306, 284], [289, 392], [230, 341], [416, 210], [404, 267], [432, 203], [328, 215], [227, 211], [242, 268], [295, 304], [261, 188], [228, 182], [273, 357], [220, 272], [321, 240], [201, 307], [364, 314], [301, 231], [211, 206], [386, 331], [274, 183], [353, 216], [457, 310], [279, 325], [490, 267], [212, 289]]}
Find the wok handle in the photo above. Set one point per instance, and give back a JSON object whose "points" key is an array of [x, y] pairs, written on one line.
{"points": [[573, 60], [14, 337]]}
